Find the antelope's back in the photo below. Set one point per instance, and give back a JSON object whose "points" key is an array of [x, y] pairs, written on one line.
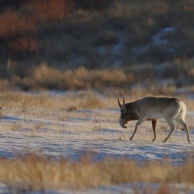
{"points": [[158, 104], [159, 100]]}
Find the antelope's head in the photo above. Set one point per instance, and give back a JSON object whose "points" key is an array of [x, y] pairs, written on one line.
{"points": [[122, 119]]}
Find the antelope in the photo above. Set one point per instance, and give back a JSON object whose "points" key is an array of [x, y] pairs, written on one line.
{"points": [[152, 108]]}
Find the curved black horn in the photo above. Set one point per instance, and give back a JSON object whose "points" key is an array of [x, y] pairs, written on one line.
{"points": [[123, 97], [118, 99]]}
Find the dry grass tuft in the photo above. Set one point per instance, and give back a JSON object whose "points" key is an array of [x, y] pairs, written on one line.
{"points": [[33, 172], [45, 77], [70, 101]]}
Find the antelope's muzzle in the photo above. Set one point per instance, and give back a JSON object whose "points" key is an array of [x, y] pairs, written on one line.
{"points": [[122, 122]]}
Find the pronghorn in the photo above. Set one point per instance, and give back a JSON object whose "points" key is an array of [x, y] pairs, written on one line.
{"points": [[172, 110]]}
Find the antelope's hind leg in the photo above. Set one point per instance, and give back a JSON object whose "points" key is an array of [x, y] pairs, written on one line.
{"points": [[171, 123], [154, 122], [184, 125]]}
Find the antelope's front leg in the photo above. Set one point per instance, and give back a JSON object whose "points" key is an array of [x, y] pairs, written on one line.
{"points": [[134, 132], [139, 122], [154, 122]]}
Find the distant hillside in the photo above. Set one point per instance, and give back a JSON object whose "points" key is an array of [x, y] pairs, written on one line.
{"points": [[95, 34]]}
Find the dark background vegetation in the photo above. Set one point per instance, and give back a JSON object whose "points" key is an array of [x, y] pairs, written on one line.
{"points": [[86, 44]]}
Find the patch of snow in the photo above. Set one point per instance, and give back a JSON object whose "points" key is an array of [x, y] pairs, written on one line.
{"points": [[101, 50], [115, 51], [95, 131], [158, 39], [125, 188], [117, 48]]}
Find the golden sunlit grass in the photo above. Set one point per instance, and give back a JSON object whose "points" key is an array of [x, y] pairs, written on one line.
{"points": [[69, 102], [34, 172], [72, 101], [45, 77]]}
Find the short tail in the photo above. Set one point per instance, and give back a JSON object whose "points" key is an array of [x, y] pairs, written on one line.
{"points": [[181, 129]]}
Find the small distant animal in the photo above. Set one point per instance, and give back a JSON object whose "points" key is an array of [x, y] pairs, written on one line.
{"points": [[152, 108]]}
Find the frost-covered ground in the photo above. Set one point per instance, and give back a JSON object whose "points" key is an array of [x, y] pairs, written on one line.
{"points": [[59, 133]]}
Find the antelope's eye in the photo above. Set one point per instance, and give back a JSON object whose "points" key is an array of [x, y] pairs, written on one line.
{"points": [[124, 112], [124, 115]]}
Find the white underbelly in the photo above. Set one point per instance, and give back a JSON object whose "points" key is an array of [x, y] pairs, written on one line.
{"points": [[156, 116]]}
